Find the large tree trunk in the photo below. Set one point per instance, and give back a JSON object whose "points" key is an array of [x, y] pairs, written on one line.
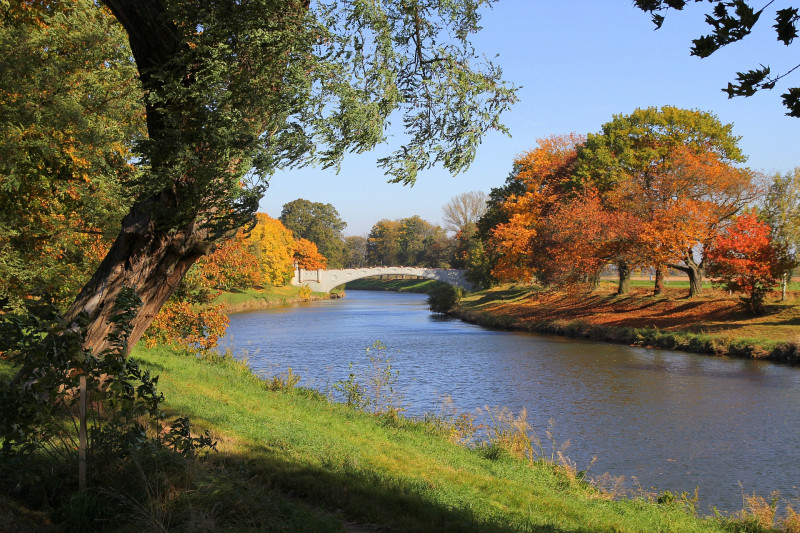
{"points": [[164, 234], [624, 271], [658, 287], [151, 261], [146, 257], [695, 272]]}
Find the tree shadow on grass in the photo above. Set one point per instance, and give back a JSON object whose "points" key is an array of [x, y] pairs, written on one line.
{"points": [[367, 500], [506, 295]]}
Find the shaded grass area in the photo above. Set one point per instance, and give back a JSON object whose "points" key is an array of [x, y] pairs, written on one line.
{"points": [[713, 323], [397, 285], [6, 370], [349, 470]]}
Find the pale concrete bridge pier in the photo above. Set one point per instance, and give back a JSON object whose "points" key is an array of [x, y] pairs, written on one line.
{"points": [[326, 280]]}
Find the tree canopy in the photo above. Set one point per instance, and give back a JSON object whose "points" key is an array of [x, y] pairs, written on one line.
{"points": [[71, 113], [651, 189], [236, 90], [319, 223], [673, 170]]}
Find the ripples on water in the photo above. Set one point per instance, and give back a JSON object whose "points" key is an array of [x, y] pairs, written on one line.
{"points": [[673, 420]]}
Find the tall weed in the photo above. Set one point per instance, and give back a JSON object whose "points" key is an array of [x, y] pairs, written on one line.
{"points": [[371, 387]]}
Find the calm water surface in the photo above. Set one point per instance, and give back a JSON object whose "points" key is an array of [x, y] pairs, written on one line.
{"points": [[672, 420]]}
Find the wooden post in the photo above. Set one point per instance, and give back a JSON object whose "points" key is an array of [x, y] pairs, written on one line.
{"points": [[82, 436]]}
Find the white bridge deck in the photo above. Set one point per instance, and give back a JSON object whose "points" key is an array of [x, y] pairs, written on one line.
{"points": [[325, 280]]}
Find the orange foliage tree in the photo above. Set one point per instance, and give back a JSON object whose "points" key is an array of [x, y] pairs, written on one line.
{"points": [[672, 170], [745, 259], [678, 207], [188, 319], [578, 238], [545, 173], [306, 255]]}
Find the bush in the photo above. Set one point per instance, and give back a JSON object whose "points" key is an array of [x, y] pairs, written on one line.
{"points": [[42, 419], [443, 298]]}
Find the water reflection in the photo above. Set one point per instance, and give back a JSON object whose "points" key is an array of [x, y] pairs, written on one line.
{"points": [[673, 420]]}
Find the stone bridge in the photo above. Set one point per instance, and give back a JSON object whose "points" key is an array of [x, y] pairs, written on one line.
{"points": [[325, 280]]}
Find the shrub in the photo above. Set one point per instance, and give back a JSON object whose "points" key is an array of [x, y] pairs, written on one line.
{"points": [[443, 298], [66, 402]]}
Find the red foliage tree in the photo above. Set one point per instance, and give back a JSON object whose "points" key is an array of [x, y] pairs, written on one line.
{"points": [[744, 259]]}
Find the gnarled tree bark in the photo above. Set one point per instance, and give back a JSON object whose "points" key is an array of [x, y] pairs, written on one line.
{"points": [[694, 270]]}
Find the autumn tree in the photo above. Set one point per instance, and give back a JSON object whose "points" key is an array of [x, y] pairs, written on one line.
{"points": [[306, 255], [578, 238], [235, 90], [495, 213], [273, 246], [544, 174], [674, 171], [70, 116], [480, 257], [463, 209], [732, 21], [744, 259], [190, 319]]}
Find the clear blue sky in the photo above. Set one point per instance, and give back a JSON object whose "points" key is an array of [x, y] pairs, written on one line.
{"points": [[579, 62]]}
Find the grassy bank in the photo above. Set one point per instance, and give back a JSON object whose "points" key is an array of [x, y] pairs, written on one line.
{"points": [[288, 459], [397, 285], [713, 323], [249, 299], [291, 460]]}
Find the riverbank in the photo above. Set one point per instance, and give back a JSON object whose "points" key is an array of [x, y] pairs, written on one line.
{"points": [[395, 285], [264, 298], [289, 459], [713, 323]]}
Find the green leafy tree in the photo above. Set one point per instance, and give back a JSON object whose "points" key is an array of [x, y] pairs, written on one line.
{"points": [[781, 210], [356, 251], [409, 241], [420, 242], [319, 223], [732, 21], [70, 115], [383, 243], [236, 90]]}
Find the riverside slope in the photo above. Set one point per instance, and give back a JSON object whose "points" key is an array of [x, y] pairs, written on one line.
{"points": [[713, 323]]}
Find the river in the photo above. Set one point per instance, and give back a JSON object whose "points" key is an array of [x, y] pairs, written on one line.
{"points": [[669, 420]]}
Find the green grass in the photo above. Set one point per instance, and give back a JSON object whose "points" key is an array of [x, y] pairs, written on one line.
{"points": [[328, 460], [6, 370], [266, 297], [398, 285]]}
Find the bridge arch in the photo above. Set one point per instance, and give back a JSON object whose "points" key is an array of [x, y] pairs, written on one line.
{"points": [[326, 280]]}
